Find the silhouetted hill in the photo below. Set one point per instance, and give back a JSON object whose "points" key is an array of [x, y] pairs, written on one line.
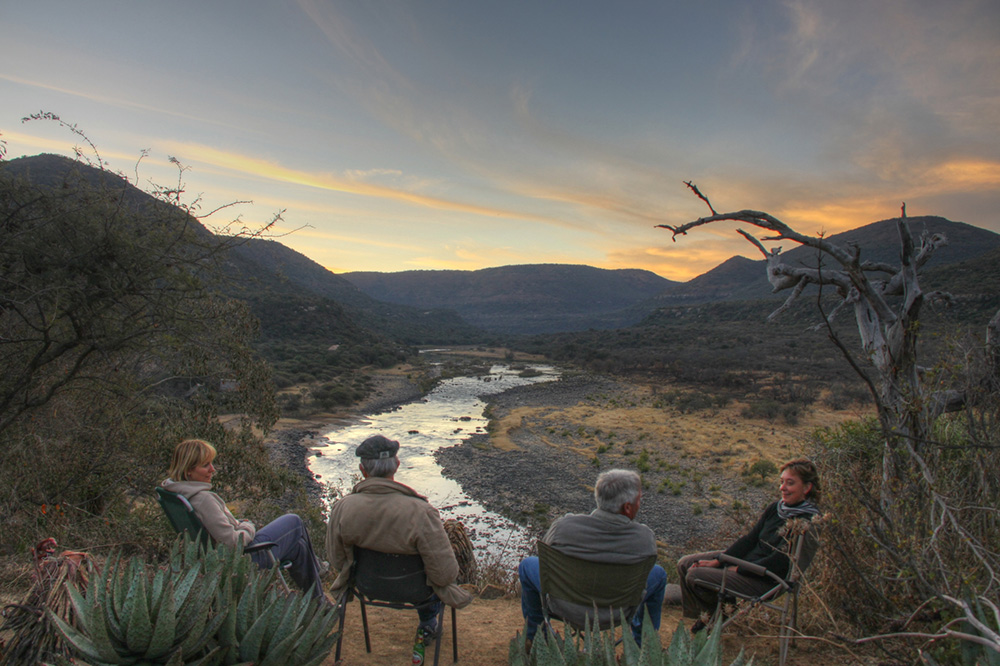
{"points": [[739, 278], [521, 299], [292, 271]]}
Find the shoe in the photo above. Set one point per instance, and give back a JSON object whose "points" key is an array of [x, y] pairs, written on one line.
{"points": [[324, 568], [430, 630], [697, 627]]}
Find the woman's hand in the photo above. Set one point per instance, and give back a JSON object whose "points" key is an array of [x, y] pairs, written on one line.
{"points": [[706, 563]]}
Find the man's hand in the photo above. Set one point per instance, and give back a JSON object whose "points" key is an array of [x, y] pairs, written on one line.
{"points": [[706, 563]]}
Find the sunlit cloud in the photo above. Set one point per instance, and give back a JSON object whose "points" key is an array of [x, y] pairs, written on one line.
{"points": [[966, 175], [264, 169]]}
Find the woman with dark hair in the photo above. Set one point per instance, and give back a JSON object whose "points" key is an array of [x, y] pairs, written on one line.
{"points": [[190, 475], [764, 545]]}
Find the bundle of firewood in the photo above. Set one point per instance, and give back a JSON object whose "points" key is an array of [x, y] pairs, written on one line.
{"points": [[34, 638], [462, 546]]}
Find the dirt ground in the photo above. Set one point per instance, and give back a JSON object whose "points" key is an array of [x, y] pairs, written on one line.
{"points": [[486, 627]]}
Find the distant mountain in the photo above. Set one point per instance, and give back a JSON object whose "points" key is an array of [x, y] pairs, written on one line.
{"points": [[297, 298], [531, 298], [411, 325], [290, 293], [739, 278]]}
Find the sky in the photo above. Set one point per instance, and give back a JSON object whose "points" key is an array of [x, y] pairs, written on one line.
{"points": [[454, 134]]}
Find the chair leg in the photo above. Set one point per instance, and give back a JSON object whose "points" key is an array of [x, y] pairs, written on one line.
{"points": [[343, 616], [454, 636], [364, 622], [437, 643], [787, 628], [276, 565]]}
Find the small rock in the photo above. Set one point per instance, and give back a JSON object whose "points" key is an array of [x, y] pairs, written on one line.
{"points": [[492, 592]]}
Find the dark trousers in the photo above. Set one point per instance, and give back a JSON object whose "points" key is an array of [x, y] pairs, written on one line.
{"points": [[293, 545], [696, 599]]}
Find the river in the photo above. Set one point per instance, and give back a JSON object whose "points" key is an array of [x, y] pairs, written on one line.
{"points": [[445, 417]]}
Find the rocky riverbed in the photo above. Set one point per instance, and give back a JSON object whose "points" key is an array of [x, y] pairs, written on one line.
{"points": [[291, 441], [556, 453], [550, 472]]}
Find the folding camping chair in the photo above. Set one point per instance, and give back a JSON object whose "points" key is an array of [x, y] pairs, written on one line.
{"points": [[392, 581], [577, 592], [782, 597], [182, 518]]}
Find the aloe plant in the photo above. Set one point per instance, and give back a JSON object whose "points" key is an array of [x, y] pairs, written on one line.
{"points": [[597, 648], [208, 606]]}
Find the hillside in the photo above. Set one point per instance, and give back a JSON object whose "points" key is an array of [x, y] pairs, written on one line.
{"points": [[288, 271], [739, 278], [521, 299]]}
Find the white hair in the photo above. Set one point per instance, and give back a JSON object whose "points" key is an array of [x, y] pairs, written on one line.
{"points": [[615, 488], [380, 467]]}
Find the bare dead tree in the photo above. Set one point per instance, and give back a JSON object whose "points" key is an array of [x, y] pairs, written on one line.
{"points": [[886, 300]]}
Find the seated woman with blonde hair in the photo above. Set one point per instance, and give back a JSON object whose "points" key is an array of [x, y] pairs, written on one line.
{"points": [[190, 475], [764, 545]]}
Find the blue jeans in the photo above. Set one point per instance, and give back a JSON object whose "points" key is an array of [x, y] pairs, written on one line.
{"points": [[428, 613], [293, 545], [531, 598]]}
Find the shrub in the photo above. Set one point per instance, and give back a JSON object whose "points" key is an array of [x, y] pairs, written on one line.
{"points": [[598, 648], [207, 605]]}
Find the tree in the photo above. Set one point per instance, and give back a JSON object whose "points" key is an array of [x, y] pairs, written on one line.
{"points": [[940, 533], [114, 343]]}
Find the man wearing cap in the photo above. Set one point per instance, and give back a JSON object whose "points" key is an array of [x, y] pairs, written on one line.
{"points": [[384, 515]]}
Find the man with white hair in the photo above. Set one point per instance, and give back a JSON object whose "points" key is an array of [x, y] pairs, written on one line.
{"points": [[607, 534]]}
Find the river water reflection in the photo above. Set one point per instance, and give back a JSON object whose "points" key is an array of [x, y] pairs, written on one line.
{"points": [[445, 417]]}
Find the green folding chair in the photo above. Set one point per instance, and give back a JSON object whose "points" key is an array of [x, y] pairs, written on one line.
{"points": [[182, 518], [579, 592], [782, 597]]}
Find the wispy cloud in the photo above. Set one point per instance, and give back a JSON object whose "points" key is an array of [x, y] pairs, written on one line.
{"points": [[112, 101], [264, 169]]}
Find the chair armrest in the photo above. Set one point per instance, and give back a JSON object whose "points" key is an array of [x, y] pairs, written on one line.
{"points": [[259, 546], [752, 568]]}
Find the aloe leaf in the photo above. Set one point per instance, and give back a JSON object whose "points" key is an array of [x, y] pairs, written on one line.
{"points": [[138, 628], [164, 631], [196, 603], [156, 593], [74, 637], [183, 588], [277, 653], [251, 643]]}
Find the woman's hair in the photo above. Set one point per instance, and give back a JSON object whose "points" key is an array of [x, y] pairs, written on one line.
{"points": [[187, 455], [806, 470], [616, 487], [380, 467]]}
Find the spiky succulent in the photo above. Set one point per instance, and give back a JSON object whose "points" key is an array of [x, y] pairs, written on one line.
{"points": [[208, 606], [597, 648]]}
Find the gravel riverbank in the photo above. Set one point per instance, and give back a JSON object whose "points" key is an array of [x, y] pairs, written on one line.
{"points": [[548, 474], [290, 442], [543, 476]]}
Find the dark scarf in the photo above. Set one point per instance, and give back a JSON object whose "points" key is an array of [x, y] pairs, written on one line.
{"points": [[805, 508]]}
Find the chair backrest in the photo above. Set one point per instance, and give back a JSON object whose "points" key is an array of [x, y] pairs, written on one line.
{"points": [[586, 584], [390, 578], [802, 550], [181, 515]]}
